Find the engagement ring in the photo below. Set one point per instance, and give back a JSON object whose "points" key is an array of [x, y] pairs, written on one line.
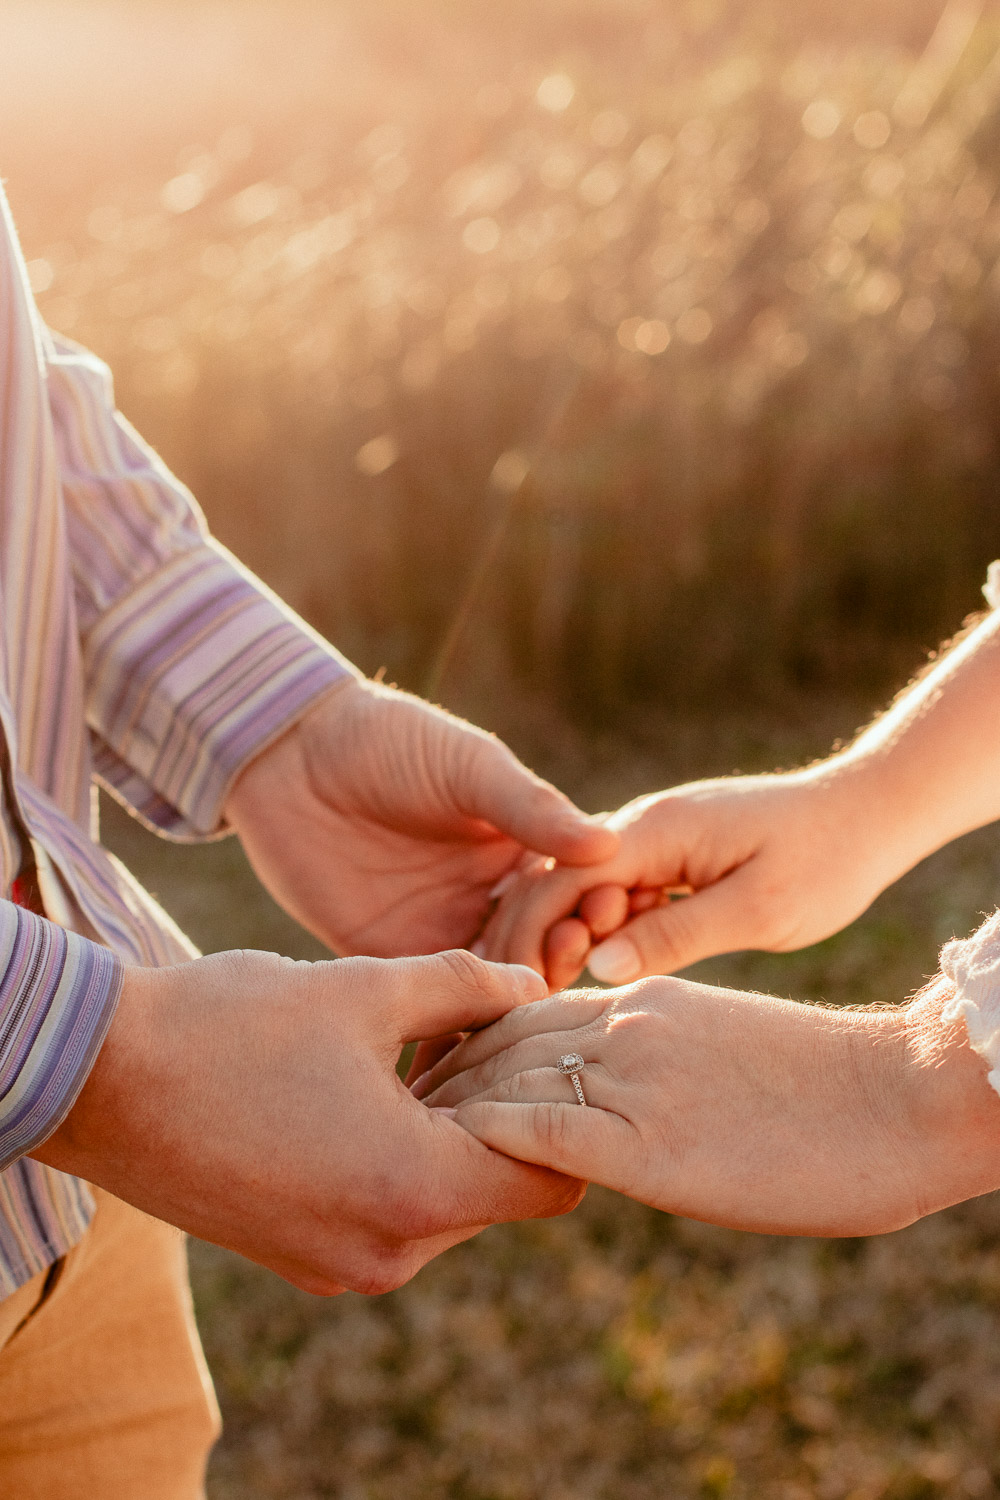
{"points": [[571, 1065]]}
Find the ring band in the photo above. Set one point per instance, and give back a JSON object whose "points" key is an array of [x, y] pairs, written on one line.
{"points": [[570, 1065]]}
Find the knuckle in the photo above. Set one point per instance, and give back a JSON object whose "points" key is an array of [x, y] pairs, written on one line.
{"points": [[317, 1283], [567, 1195], [404, 1211], [382, 1268], [509, 1090], [361, 970], [466, 970], [248, 966], [652, 991], [551, 1129]]}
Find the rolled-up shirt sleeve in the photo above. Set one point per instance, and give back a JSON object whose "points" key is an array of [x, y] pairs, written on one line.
{"points": [[58, 993], [192, 665]]}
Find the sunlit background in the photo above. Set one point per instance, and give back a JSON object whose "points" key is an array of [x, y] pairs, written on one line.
{"points": [[626, 375]]}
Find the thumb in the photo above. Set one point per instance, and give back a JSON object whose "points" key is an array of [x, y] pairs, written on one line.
{"points": [[584, 1143], [499, 789], [670, 937], [455, 991]]}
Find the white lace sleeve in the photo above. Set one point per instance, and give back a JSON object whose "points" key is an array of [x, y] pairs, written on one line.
{"points": [[973, 965]]}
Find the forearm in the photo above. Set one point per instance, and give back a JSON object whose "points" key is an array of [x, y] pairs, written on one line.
{"points": [[951, 1118], [192, 666], [928, 770]]}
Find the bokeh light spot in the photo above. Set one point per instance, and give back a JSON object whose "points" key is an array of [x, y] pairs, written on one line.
{"points": [[916, 315], [255, 203], [555, 93], [601, 184], [872, 129], [695, 325], [182, 193], [509, 472], [878, 292], [481, 235], [377, 455], [821, 119], [40, 275], [651, 158], [652, 337]]}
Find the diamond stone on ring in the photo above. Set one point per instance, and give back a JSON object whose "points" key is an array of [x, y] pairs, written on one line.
{"points": [[571, 1064]]}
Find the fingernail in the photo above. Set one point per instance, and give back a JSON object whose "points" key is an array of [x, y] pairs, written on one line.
{"points": [[615, 962], [417, 1084], [531, 981], [503, 885], [478, 948], [437, 1109]]}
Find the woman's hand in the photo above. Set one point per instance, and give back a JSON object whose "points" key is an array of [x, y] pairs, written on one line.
{"points": [[735, 1108], [773, 862]]}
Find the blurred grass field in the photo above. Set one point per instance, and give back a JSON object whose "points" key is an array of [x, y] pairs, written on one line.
{"points": [[625, 375]]}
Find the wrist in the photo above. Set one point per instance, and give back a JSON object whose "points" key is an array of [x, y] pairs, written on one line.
{"points": [[952, 1113], [281, 758], [100, 1123], [862, 804]]}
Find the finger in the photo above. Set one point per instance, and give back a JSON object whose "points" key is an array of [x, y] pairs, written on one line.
{"points": [[472, 1185], [528, 861], [642, 900], [541, 895], [533, 910], [495, 786], [565, 952], [604, 908], [494, 940], [593, 1144], [714, 920], [429, 1053], [544, 894], [455, 991], [537, 1054], [558, 1014]]}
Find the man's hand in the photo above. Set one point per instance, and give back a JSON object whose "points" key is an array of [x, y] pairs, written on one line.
{"points": [[382, 824], [738, 1109], [254, 1102]]}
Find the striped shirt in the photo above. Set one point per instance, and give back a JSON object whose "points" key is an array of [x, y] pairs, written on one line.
{"points": [[134, 652]]}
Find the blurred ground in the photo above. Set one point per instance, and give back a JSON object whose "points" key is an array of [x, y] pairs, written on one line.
{"points": [[626, 375]]}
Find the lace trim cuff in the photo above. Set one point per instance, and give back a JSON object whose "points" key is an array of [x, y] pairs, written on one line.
{"points": [[973, 966]]}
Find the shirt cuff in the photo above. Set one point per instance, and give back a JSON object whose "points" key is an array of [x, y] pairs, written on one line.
{"points": [[190, 677], [973, 966], [991, 588], [58, 993]]}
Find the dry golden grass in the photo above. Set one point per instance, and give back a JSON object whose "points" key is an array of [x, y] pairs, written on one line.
{"points": [[530, 339]]}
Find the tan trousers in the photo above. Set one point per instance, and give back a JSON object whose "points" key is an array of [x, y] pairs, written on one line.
{"points": [[104, 1393]]}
